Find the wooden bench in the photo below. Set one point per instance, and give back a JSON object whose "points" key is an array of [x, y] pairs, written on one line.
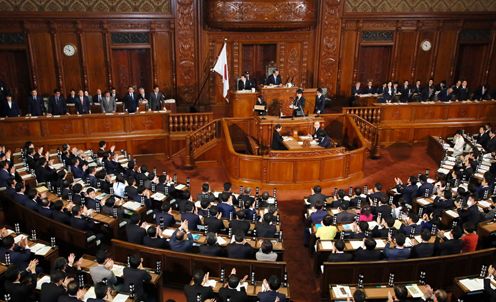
{"points": [[178, 267], [440, 271]]}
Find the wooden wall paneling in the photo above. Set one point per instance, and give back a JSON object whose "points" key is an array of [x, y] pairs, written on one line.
{"points": [[487, 76], [108, 55], [445, 54], [424, 58], [43, 62], [307, 170], [470, 63], [55, 48], [405, 43], [95, 60], [346, 61], [163, 65], [71, 66], [293, 64], [14, 72]]}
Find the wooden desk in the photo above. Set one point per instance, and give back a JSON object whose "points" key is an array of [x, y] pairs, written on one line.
{"points": [[296, 143], [242, 102], [275, 96], [366, 100], [435, 149], [378, 292]]}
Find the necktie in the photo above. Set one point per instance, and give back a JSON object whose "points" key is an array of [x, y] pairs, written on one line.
{"points": [[132, 96], [57, 100]]}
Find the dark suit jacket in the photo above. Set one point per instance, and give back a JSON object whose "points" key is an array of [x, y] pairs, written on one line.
{"points": [[156, 101], [314, 197], [299, 103], [192, 291], [135, 233], [237, 226], [193, 220], [265, 230], [270, 296], [21, 292], [10, 111], [61, 217], [239, 251], [233, 294], [422, 250], [355, 90], [448, 247], [277, 141], [36, 107], [344, 257], [82, 223], [366, 255], [273, 80], [84, 106], [159, 243], [480, 95], [138, 277], [319, 104], [181, 245], [57, 108], [490, 293], [68, 299], [98, 99], [131, 103], [244, 86], [211, 250], [463, 94], [214, 225], [51, 292]]}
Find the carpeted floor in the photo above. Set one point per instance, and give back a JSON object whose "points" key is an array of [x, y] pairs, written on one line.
{"points": [[399, 160]]}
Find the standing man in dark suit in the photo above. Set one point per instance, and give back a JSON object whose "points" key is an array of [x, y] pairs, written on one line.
{"points": [[131, 100], [482, 93], [298, 104], [243, 84], [319, 102], [10, 108], [135, 233], [491, 143], [463, 92], [56, 104], [406, 92], [274, 78], [197, 289], [277, 139], [98, 97], [36, 107], [370, 89], [156, 99], [135, 274], [71, 99], [82, 103], [261, 102]]}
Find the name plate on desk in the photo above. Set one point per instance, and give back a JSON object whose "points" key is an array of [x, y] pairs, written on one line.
{"points": [[259, 107]]}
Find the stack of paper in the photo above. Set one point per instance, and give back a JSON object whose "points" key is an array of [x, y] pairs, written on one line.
{"points": [[355, 244], [158, 196], [422, 201], [372, 224], [132, 205], [90, 294], [380, 244], [415, 291], [120, 298], [341, 292], [168, 232], [452, 213], [472, 285], [327, 245], [118, 270], [211, 283], [180, 187], [44, 279]]}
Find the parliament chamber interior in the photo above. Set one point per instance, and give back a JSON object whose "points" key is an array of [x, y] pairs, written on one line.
{"points": [[248, 150]]}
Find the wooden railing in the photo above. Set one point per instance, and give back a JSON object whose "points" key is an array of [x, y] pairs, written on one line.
{"points": [[370, 132], [370, 114], [187, 122], [201, 140]]}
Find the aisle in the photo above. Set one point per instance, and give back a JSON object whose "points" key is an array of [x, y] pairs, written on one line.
{"points": [[399, 160]]}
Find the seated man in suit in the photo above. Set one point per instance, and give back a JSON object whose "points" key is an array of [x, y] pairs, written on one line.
{"points": [[357, 89], [338, 254], [369, 89], [449, 246], [369, 253], [240, 225], [243, 84], [320, 135], [399, 252], [190, 215], [102, 293], [316, 195], [198, 290], [19, 253], [406, 92], [214, 222], [274, 78], [80, 221], [19, 286], [131, 102], [482, 93], [298, 104], [463, 92], [231, 293], [103, 270], [51, 291], [277, 139], [36, 105], [239, 249], [181, 240], [164, 217], [56, 104], [134, 233], [211, 248], [10, 108], [266, 228], [74, 293], [424, 248], [411, 225], [135, 274], [82, 102], [269, 291]]}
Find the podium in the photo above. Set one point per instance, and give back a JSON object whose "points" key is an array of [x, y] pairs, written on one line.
{"points": [[279, 98], [242, 102]]}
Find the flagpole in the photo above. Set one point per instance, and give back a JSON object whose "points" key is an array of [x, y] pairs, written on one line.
{"points": [[192, 108]]}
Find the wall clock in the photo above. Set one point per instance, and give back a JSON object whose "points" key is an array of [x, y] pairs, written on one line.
{"points": [[426, 45], [69, 50]]}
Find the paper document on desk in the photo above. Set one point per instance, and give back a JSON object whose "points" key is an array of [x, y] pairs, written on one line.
{"points": [[168, 232], [484, 204], [422, 201], [415, 291], [380, 244], [132, 205], [372, 225], [118, 270], [327, 245], [43, 250], [180, 187], [355, 244], [443, 171], [211, 283], [158, 196], [120, 298], [90, 294], [472, 285], [221, 241], [452, 213], [341, 292]]}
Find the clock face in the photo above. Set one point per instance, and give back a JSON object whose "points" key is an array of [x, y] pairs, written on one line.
{"points": [[69, 50], [426, 45]]}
